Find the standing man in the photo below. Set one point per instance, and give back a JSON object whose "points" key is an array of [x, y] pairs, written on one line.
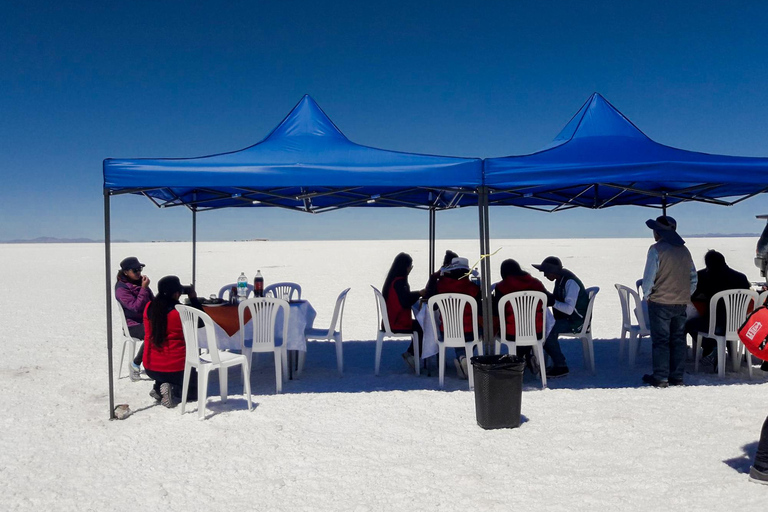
{"points": [[569, 301], [669, 281]]}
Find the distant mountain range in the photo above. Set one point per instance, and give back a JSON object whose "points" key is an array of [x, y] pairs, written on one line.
{"points": [[52, 240]]}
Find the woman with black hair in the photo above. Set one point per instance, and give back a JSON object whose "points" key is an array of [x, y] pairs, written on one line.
{"points": [[399, 298], [165, 351], [133, 294]]}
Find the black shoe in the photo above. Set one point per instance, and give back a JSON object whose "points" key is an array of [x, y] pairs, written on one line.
{"points": [[653, 381], [557, 371], [757, 476], [764, 366], [676, 382]]}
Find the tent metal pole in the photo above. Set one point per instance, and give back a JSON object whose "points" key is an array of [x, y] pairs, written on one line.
{"points": [[194, 245], [485, 270], [108, 267], [664, 205], [431, 241]]}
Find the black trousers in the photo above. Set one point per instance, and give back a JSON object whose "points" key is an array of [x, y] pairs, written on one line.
{"points": [[761, 457], [137, 331], [415, 327], [176, 380]]}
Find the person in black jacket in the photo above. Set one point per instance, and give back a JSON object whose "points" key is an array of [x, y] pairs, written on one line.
{"points": [[716, 277]]}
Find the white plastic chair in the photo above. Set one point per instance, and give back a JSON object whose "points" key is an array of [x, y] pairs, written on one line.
{"points": [[384, 331], [630, 302], [524, 306], [451, 308], [263, 322], [205, 363], [285, 291], [639, 287], [227, 289], [737, 303], [127, 340], [585, 334], [762, 298], [329, 334]]}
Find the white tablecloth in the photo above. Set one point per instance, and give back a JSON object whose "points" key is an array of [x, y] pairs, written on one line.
{"points": [[301, 317]]}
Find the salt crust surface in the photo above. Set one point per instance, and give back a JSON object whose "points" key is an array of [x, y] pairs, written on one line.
{"points": [[360, 442]]}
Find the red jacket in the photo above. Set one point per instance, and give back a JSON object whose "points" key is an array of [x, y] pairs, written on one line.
{"points": [[519, 284], [399, 315], [172, 355], [447, 284]]}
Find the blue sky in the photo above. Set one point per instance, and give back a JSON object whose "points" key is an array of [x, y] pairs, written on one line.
{"points": [[82, 81]]}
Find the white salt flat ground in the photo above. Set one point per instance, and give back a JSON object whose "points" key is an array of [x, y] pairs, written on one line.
{"points": [[360, 442]]}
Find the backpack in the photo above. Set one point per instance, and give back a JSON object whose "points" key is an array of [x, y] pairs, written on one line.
{"points": [[753, 333]]}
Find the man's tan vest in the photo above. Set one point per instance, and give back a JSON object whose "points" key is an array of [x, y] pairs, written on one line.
{"points": [[673, 279]]}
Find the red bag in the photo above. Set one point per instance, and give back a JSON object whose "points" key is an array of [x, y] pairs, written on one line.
{"points": [[753, 333]]}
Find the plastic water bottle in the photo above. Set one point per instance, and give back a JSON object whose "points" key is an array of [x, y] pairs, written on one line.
{"points": [[242, 287], [258, 285]]}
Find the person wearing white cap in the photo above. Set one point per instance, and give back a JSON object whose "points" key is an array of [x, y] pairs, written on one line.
{"points": [[669, 281]]}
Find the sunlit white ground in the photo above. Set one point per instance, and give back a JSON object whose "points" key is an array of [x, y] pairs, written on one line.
{"points": [[393, 442]]}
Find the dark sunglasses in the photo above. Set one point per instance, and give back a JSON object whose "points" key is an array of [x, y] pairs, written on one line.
{"points": [[137, 270]]}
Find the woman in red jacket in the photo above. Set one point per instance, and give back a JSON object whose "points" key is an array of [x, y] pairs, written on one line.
{"points": [[165, 351], [399, 298]]}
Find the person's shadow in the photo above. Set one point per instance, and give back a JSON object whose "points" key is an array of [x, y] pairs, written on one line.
{"points": [[743, 462]]}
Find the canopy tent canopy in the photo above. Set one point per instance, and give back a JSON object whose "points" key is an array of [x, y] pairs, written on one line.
{"points": [[601, 159], [305, 164]]}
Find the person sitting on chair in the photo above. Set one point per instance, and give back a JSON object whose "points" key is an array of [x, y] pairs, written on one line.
{"points": [[431, 288], [455, 279], [165, 351], [399, 299], [569, 301], [716, 277], [133, 294], [515, 279]]}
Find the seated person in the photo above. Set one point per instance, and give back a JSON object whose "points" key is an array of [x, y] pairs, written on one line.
{"points": [[455, 279], [399, 299], [165, 350], [431, 288], [716, 277], [515, 279], [133, 294], [569, 301]]}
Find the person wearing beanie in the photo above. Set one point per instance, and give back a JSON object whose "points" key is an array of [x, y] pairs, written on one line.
{"points": [[669, 280], [165, 351]]}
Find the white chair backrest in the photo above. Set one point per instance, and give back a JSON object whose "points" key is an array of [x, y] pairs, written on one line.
{"points": [[592, 292], [524, 306], [737, 303], [283, 290], [263, 320], [451, 308], [630, 301], [227, 288], [189, 318], [639, 286], [338, 313], [381, 311], [762, 298], [124, 322]]}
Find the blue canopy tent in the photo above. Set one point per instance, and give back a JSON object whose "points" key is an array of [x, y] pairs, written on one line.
{"points": [[601, 159], [305, 164]]}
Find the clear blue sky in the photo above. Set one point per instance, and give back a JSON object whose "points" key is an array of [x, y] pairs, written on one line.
{"points": [[82, 81]]}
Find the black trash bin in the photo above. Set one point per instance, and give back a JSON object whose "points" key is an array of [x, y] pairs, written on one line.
{"points": [[498, 390]]}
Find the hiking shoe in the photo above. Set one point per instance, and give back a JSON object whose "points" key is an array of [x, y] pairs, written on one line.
{"points": [[676, 382], [461, 367], [154, 394], [757, 476], [653, 381], [532, 363], [166, 398], [134, 372], [710, 360], [557, 371], [408, 358]]}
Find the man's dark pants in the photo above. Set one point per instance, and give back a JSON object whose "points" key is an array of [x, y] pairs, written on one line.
{"points": [[667, 323]]}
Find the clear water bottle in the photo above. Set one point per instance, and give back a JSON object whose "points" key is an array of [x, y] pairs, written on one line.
{"points": [[242, 287], [258, 285]]}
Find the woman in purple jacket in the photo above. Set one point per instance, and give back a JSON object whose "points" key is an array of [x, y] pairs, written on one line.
{"points": [[133, 293]]}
